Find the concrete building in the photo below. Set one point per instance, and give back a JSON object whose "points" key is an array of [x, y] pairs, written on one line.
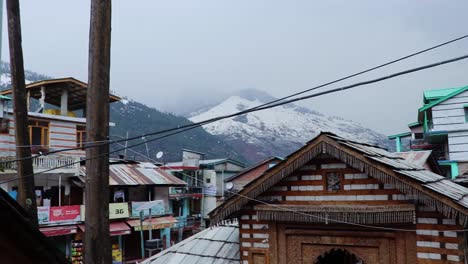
{"points": [[57, 121], [206, 184]]}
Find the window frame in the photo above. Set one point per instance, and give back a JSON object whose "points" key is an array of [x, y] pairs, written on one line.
{"points": [[80, 136], [44, 127], [465, 110], [340, 183]]}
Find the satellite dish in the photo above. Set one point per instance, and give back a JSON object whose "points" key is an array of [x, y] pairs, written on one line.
{"points": [[229, 185], [159, 154]]}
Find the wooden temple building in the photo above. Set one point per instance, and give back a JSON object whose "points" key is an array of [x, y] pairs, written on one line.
{"points": [[344, 202]]}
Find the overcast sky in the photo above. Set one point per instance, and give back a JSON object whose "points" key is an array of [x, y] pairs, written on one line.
{"points": [[172, 53]]}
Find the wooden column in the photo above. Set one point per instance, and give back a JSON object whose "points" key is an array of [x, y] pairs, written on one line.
{"points": [[97, 246], [26, 197], [64, 103]]}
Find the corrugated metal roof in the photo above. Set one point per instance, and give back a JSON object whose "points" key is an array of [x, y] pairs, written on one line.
{"points": [[218, 244], [138, 174]]}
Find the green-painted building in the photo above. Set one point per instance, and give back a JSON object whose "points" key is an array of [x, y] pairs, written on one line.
{"points": [[441, 126]]}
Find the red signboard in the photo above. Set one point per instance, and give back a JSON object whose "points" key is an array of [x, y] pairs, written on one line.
{"points": [[64, 213]]}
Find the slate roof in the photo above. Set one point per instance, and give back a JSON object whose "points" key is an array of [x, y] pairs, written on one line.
{"points": [[446, 196], [428, 179], [217, 245]]}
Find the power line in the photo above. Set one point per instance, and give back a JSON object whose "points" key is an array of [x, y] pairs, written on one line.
{"points": [[263, 108], [284, 208], [262, 105], [305, 91]]}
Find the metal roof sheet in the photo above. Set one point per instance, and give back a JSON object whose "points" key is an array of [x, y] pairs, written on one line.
{"points": [[439, 93], [448, 188], [416, 157], [218, 244], [399, 164], [422, 175], [370, 150], [464, 201], [138, 174]]}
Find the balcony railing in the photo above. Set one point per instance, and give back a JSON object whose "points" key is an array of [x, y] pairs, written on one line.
{"points": [[437, 149], [187, 222], [63, 163], [420, 144]]}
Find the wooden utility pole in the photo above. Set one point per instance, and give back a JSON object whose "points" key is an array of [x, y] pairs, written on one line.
{"points": [[26, 196], [97, 246]]}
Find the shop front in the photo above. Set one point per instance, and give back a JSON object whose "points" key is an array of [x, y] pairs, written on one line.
{"points": [[117, 229], [153, 229], [152, 225], [60, 224]]}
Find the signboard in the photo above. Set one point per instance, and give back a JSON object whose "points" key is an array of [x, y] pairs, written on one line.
{"points": [[116, 211], [43, 214], [146, 226], [64, 213], [157, 208], [116, 254]]}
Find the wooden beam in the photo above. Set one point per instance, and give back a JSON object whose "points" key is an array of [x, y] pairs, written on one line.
{"points": [[97, 246], [26, 196]]}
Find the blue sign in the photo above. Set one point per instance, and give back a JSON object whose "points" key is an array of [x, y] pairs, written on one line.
{"points": [[157, 208]]}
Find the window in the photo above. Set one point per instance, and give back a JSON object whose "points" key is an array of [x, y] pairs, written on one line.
{"points": [[39, 136], [4, 123], [466, 113], [418, 136], [208, 180], [80, 136], [333, 181]]}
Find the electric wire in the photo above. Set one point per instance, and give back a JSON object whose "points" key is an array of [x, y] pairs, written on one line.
{"points": [[262, 105], [258, 109], [285, 208]]}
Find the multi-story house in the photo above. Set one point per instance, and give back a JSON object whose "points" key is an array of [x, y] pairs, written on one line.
{"points": [[56, 111], [205, 189], [442, 127], [57, 121]]}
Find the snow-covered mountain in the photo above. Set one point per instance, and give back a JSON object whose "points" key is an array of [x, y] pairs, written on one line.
{"points": [[276, 131], [136, 118]]}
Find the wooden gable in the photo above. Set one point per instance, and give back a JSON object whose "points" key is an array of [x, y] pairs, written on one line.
{"points": [[326, 200], [326, 190], [327, 196], [428, 188]]}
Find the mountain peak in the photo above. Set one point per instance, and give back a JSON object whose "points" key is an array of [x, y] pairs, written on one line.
{"points": [[253, 94]]}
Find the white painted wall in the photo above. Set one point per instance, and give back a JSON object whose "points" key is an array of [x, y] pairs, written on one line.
{"points": [[450, 114]]}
